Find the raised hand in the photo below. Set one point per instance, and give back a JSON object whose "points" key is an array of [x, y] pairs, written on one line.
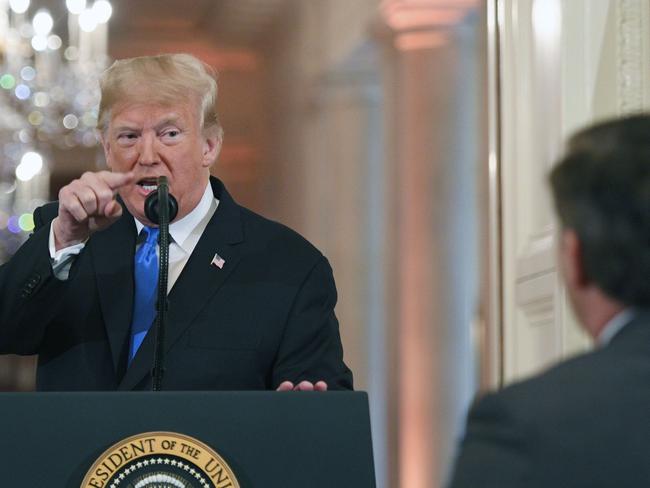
{"points": [[87, 205]]}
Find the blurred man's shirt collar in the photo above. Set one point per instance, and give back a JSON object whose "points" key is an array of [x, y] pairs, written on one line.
{"points": [[615, 325]]}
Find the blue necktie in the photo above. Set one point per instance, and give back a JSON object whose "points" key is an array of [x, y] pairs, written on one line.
{"points": [[146, 287]]}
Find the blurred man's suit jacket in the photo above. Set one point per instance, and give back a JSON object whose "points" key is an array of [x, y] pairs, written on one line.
{"points": [[266, 316], [584, 423]]}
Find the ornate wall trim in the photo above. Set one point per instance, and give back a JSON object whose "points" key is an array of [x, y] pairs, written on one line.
{"points": [[631, 53], [536, 280]]}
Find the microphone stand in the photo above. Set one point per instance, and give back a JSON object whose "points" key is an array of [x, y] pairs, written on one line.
{"points": [[161, 208]]}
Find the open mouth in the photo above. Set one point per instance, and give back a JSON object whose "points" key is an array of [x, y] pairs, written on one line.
{"points": [[148, 184]]}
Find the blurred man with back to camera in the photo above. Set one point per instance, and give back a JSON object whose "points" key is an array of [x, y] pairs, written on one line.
{"points": [[251, 303], [586, 422]]}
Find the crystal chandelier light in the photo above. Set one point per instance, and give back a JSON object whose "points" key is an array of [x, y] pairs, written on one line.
{"points": [[49, 96], [52, 87]]}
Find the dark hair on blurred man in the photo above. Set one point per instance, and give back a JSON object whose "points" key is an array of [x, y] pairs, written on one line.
{"points": [[586, 422]]}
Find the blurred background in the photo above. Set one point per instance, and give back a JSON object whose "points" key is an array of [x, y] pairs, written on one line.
{"points": [[408, 139]]}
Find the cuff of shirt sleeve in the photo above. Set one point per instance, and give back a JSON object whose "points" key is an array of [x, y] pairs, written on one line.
{"points": [[62, 254]]}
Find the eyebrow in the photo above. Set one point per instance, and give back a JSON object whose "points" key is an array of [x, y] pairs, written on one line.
{"points": [[171, 120], [125, 127], [168, 121]]}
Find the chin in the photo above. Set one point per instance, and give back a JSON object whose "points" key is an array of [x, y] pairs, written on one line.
{"points": [[135, 205]]}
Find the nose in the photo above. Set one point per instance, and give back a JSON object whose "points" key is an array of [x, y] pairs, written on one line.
{"points": [[148, 154]]}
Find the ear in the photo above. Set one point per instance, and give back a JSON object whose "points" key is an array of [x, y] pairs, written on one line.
{"points": [[212, 140], [571, 256], [107, 148]]}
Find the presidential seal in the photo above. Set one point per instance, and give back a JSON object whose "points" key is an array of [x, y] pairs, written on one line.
{"points": [[160, 460]]}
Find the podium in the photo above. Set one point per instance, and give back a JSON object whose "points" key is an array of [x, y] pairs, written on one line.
{"points": [[268, 439]]}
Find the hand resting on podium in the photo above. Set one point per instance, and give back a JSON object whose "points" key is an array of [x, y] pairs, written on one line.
{"points": [[302, 386]]}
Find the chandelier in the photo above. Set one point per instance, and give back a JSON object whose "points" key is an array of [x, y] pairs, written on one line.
{"points": [[49, 97]]}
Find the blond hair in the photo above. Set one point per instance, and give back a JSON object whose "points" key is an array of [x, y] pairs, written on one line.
{"points": [[163, 79]]}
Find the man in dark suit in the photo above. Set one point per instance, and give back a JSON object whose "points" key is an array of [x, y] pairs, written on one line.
{"points": [[586, 422], [251, 303]]}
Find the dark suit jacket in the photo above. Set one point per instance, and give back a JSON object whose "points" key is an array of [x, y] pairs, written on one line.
{"points": [[267, 316], [584, 423]]}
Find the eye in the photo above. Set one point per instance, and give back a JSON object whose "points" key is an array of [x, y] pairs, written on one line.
{"points": [[171, 135], [127, 137]]}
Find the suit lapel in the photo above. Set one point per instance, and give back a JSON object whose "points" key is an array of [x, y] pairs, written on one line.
{"points": [[112, 253], [197, 283]]}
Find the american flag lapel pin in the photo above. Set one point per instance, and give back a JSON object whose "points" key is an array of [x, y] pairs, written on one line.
{"points": [[218, 261]]}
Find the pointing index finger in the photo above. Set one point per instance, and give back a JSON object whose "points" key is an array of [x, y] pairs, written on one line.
{"points": [[118, 180]]}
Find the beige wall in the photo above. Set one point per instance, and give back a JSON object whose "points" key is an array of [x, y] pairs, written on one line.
{"points": [[564, 63]]}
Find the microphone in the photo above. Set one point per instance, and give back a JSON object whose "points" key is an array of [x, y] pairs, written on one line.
{"points": [[161, 208], [151, 204]]}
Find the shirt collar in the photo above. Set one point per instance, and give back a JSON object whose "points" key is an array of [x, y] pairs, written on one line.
{"points": [[614, 326], [180, 230]]}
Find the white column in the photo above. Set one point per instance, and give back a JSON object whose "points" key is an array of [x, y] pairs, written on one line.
{"points": [[434, 114]]}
